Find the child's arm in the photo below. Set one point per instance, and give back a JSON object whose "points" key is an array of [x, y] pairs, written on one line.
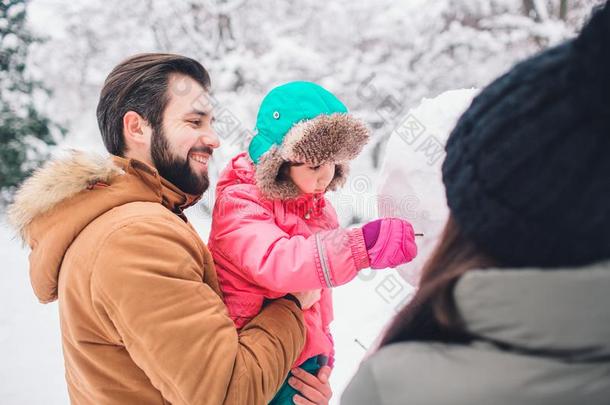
{"points": [[245, 233]]}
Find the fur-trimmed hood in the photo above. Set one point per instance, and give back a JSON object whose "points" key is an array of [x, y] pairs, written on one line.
{"points": [[55, 182], [336, 138], [61, 198]]}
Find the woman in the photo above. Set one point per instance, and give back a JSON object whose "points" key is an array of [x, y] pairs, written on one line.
{"points": [[514, 305]]}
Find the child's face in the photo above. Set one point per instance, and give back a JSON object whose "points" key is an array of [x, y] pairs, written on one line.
{"points": [[312, 179]]}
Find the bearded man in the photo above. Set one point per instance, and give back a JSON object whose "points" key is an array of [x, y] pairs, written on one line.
{"points": [[142, 317]]}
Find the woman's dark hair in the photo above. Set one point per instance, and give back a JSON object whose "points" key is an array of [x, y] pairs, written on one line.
{"points": [[432, 314], [140, 84]]}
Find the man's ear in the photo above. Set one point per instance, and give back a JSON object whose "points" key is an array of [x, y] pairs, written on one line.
{"points": [[137, 132]]}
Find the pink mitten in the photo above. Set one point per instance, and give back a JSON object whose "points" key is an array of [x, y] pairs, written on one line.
{"points": [[390, 242]]}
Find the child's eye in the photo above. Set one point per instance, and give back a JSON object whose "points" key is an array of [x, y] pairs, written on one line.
{"points": [[315, 167]]}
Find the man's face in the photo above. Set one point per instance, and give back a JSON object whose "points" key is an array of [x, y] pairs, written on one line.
{"points": [[183, 145]]}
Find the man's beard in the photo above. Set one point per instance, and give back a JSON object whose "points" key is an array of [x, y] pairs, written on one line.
{"points": [[175, 169]]}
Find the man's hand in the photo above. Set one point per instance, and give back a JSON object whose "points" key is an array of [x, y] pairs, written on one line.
{"points": [[313, 390], [308, 298]]}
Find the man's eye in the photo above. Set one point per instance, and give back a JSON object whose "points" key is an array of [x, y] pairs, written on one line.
{"points": [[195, 122]]}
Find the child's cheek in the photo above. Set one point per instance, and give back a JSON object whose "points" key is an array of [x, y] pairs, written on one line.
{"points": [[306, 183]]}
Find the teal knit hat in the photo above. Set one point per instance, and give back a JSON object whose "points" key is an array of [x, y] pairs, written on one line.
{"points": [[303, 122]]}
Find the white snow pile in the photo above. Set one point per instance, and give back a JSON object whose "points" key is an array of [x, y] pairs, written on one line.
{"points": [[412, 186]]}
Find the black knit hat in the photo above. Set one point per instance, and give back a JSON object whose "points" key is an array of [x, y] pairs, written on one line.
{"points": [[527, 172]]}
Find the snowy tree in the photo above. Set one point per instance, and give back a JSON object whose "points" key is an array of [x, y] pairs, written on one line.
{"points": [[380, 57], [25, 132]]}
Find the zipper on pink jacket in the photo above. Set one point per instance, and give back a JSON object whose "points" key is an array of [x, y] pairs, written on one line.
{"points": [[323, 261]]}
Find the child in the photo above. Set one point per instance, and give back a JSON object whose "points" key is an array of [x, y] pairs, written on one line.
{"points": [[274, 233]]}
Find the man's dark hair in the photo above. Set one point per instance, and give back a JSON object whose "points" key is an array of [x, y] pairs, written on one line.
{"points": [[140, 84]]}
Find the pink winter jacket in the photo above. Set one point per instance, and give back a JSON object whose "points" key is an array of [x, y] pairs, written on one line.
{"points": [[268, 248]]}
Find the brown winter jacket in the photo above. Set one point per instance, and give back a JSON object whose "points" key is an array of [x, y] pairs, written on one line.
{"points": [[142, 317]]}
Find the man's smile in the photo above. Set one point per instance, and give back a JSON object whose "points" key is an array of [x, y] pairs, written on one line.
{"points": [[201, 158]]}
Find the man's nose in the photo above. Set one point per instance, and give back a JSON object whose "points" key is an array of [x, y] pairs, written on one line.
{"points": [[211, 139]]}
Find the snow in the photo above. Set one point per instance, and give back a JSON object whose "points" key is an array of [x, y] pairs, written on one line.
{"points": [[412, 186], [10, 41], [362, 309], [31, 370]]}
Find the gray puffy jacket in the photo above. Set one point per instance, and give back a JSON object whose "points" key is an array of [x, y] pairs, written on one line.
{"points": [[544, 339]]}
